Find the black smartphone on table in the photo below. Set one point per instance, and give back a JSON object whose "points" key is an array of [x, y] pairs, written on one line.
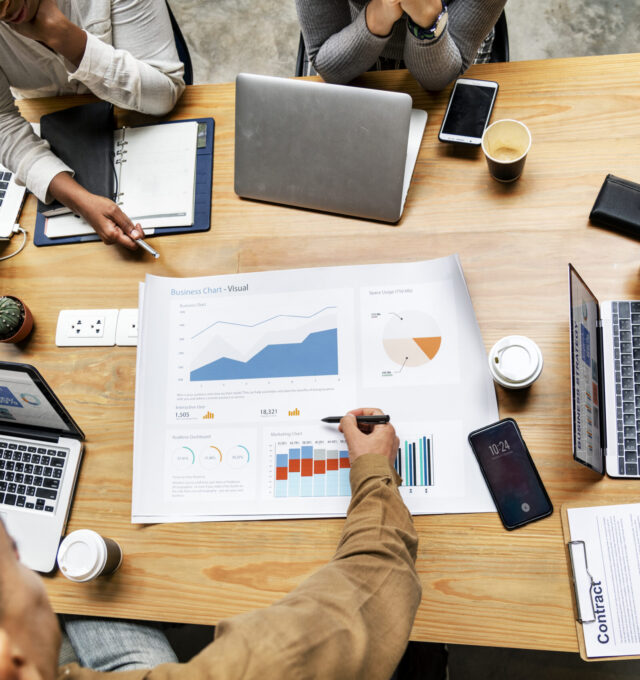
{"points": [[510, 474], [468, 111]]}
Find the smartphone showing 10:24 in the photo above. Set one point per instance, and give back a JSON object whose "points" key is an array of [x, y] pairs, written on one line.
{"points": [[510, 474]]}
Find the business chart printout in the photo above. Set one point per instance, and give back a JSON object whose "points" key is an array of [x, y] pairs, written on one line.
{"points": [[235, 372]]}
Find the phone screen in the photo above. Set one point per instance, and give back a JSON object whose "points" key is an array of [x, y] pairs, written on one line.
{"points": [[469, 110], [510, 474]]}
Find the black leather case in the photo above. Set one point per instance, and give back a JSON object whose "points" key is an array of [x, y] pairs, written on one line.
{"points": [[618, 206], [82, 137]]}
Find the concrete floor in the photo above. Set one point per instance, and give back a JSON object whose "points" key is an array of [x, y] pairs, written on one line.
{"points": [[261, 36]]}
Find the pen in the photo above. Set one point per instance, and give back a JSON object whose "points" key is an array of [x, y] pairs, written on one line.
{"points": [[148, 248], [372, 420]]}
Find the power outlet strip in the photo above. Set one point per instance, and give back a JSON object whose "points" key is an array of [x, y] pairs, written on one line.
{"points": [[97, 327], [127, 328], [87, 328]]}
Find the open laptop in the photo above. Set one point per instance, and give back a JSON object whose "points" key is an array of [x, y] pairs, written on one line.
{"points": [[40, 451], [11, 200], [335, 148], [605, 381]]}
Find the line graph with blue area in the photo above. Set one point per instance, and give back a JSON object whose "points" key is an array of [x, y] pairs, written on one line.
{"points": [[317, 354]]}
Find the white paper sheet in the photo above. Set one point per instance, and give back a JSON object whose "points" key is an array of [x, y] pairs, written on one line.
{"points": [[611, 536], [235, 372]]}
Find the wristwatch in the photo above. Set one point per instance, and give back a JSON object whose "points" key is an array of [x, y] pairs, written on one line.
{"points": [[432, 32]]}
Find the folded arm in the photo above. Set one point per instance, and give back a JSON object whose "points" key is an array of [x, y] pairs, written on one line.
{"points": [[436, 63], [141, 71], [339, 49]]}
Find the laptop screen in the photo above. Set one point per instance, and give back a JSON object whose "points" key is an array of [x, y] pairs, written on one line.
{"points": [[585, 374], [27, 402]]}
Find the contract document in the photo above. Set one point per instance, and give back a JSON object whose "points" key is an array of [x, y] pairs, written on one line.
{"points": [[605, 560], [234, 373]]}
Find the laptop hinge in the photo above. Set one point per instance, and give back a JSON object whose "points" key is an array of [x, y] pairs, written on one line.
{"points": [[25, 433], [601, 397]]}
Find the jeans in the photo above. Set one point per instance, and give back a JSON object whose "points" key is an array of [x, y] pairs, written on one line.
{"points": [[114, 644]]}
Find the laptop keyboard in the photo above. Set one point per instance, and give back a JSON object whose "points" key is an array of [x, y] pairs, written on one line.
{"points": [[5, 177], [626, 350], [30, 476]]}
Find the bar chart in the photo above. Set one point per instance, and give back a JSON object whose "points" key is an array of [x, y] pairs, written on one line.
{"points": [[322, 468], [312, 470], [414, 462]]}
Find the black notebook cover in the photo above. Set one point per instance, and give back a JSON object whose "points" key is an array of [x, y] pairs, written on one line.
{"points": [[82, 137]]}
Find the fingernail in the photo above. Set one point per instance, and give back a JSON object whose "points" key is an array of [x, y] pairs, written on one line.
{"points": [[134, 233]]}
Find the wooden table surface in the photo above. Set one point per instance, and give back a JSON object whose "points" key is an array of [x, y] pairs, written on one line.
{"points": [[482, 584]]}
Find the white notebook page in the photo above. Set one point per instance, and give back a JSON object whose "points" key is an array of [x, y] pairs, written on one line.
{"points": [[158, 174], [157, 181]]}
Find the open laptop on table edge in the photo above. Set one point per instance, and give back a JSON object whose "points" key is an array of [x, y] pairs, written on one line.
{"points": [[40, 453]]}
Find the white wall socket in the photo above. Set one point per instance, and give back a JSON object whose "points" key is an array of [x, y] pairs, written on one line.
{"points": [[127, 328], [86, 327]]}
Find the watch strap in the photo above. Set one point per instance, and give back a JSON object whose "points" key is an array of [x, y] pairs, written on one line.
{"points": [[434, 31]]}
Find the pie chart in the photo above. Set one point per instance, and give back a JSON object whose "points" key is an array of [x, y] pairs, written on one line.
{"points": [[411, 338]]}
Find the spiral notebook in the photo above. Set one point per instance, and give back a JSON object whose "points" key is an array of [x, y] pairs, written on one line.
{"points": [[155, 179]]}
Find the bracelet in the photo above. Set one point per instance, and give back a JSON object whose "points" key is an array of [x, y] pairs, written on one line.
{"points": [[432, 32]]}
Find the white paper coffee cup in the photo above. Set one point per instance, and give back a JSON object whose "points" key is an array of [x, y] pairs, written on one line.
{"points": [[515, 362], [85, 555]]}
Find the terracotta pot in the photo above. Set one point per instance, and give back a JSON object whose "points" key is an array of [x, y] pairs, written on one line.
{"points": [[25, 327]]}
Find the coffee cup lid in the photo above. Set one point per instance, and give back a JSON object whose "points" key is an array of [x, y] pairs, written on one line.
{"points": [[82, 555], [515, 361]]}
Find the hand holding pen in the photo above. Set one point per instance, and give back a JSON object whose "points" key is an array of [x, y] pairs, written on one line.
{"points": [[365, 437]]}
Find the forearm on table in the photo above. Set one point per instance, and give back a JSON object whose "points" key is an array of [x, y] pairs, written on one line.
{"points": [[22, 151], [436, 63], [339, 49], [350, 619], [65, 189]]}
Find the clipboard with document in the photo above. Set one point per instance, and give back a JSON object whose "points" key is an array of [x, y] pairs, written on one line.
{"points": [[603, 552]]}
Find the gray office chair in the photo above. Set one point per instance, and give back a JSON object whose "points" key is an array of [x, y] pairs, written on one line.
{"points": [[499, 49], [181, 46]]}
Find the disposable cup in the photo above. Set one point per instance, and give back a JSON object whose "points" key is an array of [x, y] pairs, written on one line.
{"points": [[506, 144], [84, 555], [515, 362]]}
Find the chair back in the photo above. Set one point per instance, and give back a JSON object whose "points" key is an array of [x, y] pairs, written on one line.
{"points": [[181, 46], [500, 48]]}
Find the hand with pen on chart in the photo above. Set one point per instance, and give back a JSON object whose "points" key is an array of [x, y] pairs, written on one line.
{"points": [[363, 437]]}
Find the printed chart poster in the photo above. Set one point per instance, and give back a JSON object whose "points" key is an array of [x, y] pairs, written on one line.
{"points": [[236, 372]]}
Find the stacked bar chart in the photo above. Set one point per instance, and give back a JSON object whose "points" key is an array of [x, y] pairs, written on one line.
{"points": [[312, 471], [414, 462]]}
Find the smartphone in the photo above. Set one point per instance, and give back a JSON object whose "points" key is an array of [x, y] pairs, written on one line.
{"points": [[468, 111], [508, 470]]}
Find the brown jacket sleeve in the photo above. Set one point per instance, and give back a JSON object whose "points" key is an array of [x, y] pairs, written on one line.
{"points": [[351, 619]]}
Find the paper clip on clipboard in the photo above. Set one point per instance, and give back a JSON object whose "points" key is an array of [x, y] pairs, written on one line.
{"points": [[582, 581]]}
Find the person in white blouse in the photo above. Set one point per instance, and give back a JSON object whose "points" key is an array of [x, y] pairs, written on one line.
{"points": [[122, 51]]}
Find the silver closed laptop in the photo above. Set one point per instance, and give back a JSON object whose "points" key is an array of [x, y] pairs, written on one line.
{"points": [[341, 149]]}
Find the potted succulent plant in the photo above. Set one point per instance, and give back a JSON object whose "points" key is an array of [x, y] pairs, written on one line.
{"points": [[16, 320]]}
